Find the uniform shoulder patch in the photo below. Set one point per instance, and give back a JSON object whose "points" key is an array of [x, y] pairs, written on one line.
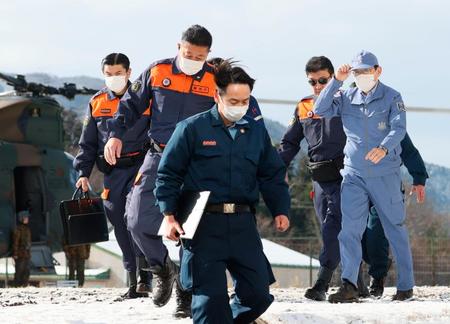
{"points": [[86, 120], [136, 86], [293, 120], [401, 106]]}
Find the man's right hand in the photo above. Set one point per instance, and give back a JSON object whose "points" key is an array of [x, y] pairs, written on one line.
{"points": [[343, 72], [112, 150], [84, 183]]}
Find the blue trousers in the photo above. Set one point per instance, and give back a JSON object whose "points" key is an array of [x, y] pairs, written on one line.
{"points": [[327, 204], [226, 242], [143, 215], [375, 247], [117, 184], [385, 194]]}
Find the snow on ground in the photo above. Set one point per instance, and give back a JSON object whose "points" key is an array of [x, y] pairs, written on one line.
{"points": [[102, 305]]}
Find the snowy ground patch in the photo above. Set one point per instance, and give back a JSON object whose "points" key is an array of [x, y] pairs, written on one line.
{"points": [[103, 305]]}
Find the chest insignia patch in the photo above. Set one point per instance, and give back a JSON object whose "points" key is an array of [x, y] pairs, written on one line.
{"points": [[381, 126]]}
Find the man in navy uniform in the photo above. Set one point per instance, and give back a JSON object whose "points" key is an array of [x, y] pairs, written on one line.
{"points": [[118, 179], [232, 156], [325, 139], [176, 88]]}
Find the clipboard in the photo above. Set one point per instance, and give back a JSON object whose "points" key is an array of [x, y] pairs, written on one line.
{"points": [[191, 206]]}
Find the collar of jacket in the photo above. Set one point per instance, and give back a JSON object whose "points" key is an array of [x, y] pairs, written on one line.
{"points": [[112, 95], [198, 76], [216, 119], [359, 98]]}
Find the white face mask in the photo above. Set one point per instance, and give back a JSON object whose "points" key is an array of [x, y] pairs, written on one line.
{"points": [[116, 83], [190, 67], [365, 82], [234, 113]]}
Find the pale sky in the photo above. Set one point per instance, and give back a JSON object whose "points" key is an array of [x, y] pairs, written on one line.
{"points": [[272, 39]]}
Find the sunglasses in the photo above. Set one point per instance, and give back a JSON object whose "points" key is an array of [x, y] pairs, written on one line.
{"points": [[321, 81]]}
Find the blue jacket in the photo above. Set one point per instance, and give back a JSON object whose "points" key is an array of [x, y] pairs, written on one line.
{"points": [[202, 156], [378, 119], [95, 134], [326, 140]]}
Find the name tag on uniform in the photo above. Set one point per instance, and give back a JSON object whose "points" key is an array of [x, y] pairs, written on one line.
{"points": [[209, 143]]}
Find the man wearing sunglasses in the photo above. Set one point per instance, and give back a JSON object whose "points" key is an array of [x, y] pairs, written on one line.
{"points": [[326, 140], [374, 120], [326, 198]]}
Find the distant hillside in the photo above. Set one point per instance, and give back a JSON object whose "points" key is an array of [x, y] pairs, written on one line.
{"points": [[438, 186], [275, 129], [52, 80]]}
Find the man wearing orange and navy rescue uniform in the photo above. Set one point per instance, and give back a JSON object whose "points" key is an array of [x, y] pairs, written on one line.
{"points": [[326, 139], [177, 88], [118, 179]]}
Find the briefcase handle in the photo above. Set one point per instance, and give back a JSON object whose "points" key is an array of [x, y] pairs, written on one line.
{"points": [[79, 194]]}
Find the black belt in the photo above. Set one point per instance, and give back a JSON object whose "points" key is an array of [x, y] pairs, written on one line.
{"points": [[229, 208], [154, 146], [125, 161]]}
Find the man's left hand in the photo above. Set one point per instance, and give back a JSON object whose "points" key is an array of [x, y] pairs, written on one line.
{"points": [[375, 155], [172, 229], [281, 223], [420, 193]]}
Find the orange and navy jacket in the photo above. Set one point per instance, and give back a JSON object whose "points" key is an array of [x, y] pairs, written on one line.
{"points": [[325, 136], [102, 107], [173, 96]]}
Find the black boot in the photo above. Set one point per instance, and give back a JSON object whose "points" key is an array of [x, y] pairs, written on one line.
{"points": [[164, 277], [144, 284], [377, 287], [317, 292], [184, 299], [132, 293], [347, 293], [402, 295], [363, 292]]}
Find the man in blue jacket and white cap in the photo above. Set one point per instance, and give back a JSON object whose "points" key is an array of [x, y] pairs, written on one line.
{"points": [[374, 120]]}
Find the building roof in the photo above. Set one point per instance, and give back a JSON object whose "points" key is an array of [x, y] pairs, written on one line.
{"points": [[278, 255]]}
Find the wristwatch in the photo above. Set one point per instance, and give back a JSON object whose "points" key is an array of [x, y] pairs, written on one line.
{"points": [[384, 149]]}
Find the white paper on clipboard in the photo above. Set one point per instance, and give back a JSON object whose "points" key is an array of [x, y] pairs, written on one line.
{"points": [[193, 215]]}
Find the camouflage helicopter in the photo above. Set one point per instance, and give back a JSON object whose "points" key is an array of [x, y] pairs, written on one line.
{"points": [[35, 171]]}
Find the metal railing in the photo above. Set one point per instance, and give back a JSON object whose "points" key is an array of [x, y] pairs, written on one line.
{"points": [[431, 259]]}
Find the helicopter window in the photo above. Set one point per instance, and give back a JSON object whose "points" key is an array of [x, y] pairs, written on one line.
{"points": [[35, 112]]}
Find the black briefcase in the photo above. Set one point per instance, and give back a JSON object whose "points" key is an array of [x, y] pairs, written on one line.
{"points": [[83, 219]]}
